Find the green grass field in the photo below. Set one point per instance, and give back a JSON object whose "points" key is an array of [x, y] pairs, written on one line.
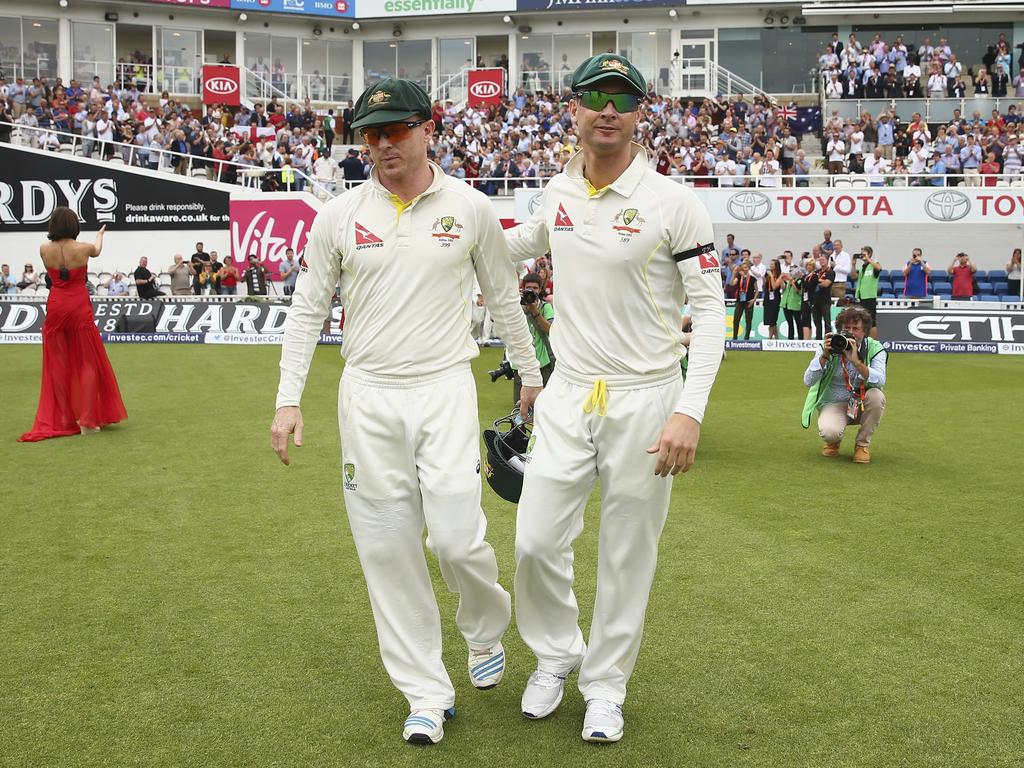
{"points": [[170, 595]]}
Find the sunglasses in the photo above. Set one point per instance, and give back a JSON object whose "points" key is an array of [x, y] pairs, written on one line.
{"points": [[393, 132], [597, 100]]}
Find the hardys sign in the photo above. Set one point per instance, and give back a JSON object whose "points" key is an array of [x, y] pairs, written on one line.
{"points": [[917, 205], [34, 183], [214, 322]]}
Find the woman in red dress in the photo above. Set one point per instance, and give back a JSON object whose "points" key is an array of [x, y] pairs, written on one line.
{"points": [[79, 392]]}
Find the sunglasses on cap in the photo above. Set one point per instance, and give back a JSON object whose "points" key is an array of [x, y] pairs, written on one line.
{"points": [[596, 100], [393, 132]]}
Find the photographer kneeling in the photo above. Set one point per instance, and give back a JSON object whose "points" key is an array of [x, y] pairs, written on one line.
{"points": [[539, 316], [846, 382]]}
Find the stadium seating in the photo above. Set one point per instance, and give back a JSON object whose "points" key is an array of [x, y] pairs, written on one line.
{"points": [[988, 298]]}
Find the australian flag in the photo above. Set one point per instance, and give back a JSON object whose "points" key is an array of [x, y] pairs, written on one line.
{"points": [[807, 120]]}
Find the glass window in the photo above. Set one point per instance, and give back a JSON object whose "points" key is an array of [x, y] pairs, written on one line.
{"points": [[284, 68], [378, 61], [257, 54], [92, 47], [570, 51], [339, 69], [453, 55], [969, 42], [314, 69], [178, 60], [535, 55], [413, 61], [10, 48], [777, 60], [649, 51], [40, 52]]}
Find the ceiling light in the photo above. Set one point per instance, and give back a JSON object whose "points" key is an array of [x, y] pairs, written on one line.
{"points": [[242, 17], [63, 3], [673, 13], [355, 25], [507, 19]]}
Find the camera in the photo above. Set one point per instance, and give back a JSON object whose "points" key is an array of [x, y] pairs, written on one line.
{"points": [[503, 370], [841, 342], [528, 297]]}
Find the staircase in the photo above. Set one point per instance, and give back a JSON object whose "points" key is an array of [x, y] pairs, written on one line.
{"points": [[706, 78]]}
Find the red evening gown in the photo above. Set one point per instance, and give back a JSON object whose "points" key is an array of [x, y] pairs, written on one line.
{"points": [[78, 387]]}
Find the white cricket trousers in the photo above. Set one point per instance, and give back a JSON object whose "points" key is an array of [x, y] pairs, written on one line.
{"points": [[572, 449], [411, 457]]}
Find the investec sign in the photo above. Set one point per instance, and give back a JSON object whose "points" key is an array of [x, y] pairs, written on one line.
{"points": [[918, 205]]}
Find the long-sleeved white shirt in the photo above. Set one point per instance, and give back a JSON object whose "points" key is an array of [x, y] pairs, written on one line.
{"points": [[626, 256], [407, 281]]}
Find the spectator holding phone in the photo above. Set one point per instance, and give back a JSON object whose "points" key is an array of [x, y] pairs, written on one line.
{"points": [[916, 272], [962, 271]]}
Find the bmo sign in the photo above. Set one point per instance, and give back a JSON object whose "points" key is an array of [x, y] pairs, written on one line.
{"points": [[222, 85], [485, 87]]}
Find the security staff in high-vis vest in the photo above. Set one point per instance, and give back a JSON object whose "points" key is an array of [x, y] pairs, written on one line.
{"points": [[846, 386], [406, 250], [630, 247], [867, 285]]}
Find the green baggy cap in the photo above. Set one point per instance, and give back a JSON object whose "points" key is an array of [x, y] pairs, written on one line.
{"points": [[608, 65], [391, 101]]}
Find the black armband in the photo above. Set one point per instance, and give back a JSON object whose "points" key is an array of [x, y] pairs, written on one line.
{"points": [[697, 250]]}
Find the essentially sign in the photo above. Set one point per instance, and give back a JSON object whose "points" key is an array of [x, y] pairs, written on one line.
{"points": [[344, 8], [34, 184], [267, 227], [486, 87], [222, 85], [370, 9]]}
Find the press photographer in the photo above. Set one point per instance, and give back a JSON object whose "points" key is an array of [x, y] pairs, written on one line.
{"points": [[539, 316], [846, 381]]}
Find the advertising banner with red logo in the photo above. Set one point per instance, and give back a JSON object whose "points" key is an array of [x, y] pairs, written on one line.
{"points": [[267, 227], [222, 85], [486, 87]]}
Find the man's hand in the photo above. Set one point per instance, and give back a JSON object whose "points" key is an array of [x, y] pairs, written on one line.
{"points": [[676, 446], [287, 420], [527, 397], [532, 309]]}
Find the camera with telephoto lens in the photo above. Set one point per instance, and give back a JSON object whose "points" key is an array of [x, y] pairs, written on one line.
{"points": [[528, 297], [503, 370], [841, 342]]}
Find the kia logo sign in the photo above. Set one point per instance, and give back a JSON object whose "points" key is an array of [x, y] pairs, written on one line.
{"points": [[221, 86], [948, 205], [749, 206], [485, 89]]}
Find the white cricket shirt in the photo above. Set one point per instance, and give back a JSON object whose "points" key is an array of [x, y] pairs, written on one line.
{"points": [[625, 258], [407, 277]]}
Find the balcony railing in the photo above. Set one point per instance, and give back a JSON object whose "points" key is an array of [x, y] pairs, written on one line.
{"points": [[933, 110]]}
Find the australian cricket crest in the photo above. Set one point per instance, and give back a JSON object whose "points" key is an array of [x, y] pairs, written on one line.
{"points": [[627, 223], [446, 230], [350, 477]]}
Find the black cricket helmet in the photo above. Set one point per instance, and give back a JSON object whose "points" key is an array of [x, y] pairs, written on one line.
{"points": [[507, 447]]}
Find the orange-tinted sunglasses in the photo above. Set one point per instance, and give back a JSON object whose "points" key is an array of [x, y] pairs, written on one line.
{"points": [[393, 132]]}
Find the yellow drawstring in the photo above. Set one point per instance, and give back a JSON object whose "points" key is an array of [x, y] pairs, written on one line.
{"points": [[598, 398]]}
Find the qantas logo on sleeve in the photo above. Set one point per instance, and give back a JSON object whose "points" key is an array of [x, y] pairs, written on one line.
{"points": [[562, 221], [366, 239], [709, 261], [706, 255]]}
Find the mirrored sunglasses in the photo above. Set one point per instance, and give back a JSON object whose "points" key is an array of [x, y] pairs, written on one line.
{"points": [[393, 132], [596, 101]]}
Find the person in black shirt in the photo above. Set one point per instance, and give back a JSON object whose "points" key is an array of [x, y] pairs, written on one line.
{"points": [[808, 286], [199, 261], [347, 116], [145, 281], [255, 277], [821, 300], [773, 298], [352, 167]]}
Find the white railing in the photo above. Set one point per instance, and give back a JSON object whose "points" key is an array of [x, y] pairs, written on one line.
{"points": [[180, 163], [332, 88], [176, 79], [14, 69], [706, 77], [84, 70], [141, 75], [454, 87], [257, 88], [932, 110]]}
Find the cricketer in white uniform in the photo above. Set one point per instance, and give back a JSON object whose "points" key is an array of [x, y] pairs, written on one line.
{"points": [[407, 249], [627, 244]]}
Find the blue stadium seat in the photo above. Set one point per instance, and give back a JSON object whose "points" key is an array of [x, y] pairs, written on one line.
{"points": [[888, 296], [997, 276], [1010, 298], [942, 290], [988, 298], [888, 274], [898, 285], [985, 287], [1000, 287], [939, 277]]}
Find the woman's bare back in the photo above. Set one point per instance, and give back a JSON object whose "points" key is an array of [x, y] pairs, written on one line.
{"points": [[70, 254]]}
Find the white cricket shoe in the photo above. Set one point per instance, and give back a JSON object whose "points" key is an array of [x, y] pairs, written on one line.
{"points": [[486, 666], [603, 722], [543, 694], [425, 726]]}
